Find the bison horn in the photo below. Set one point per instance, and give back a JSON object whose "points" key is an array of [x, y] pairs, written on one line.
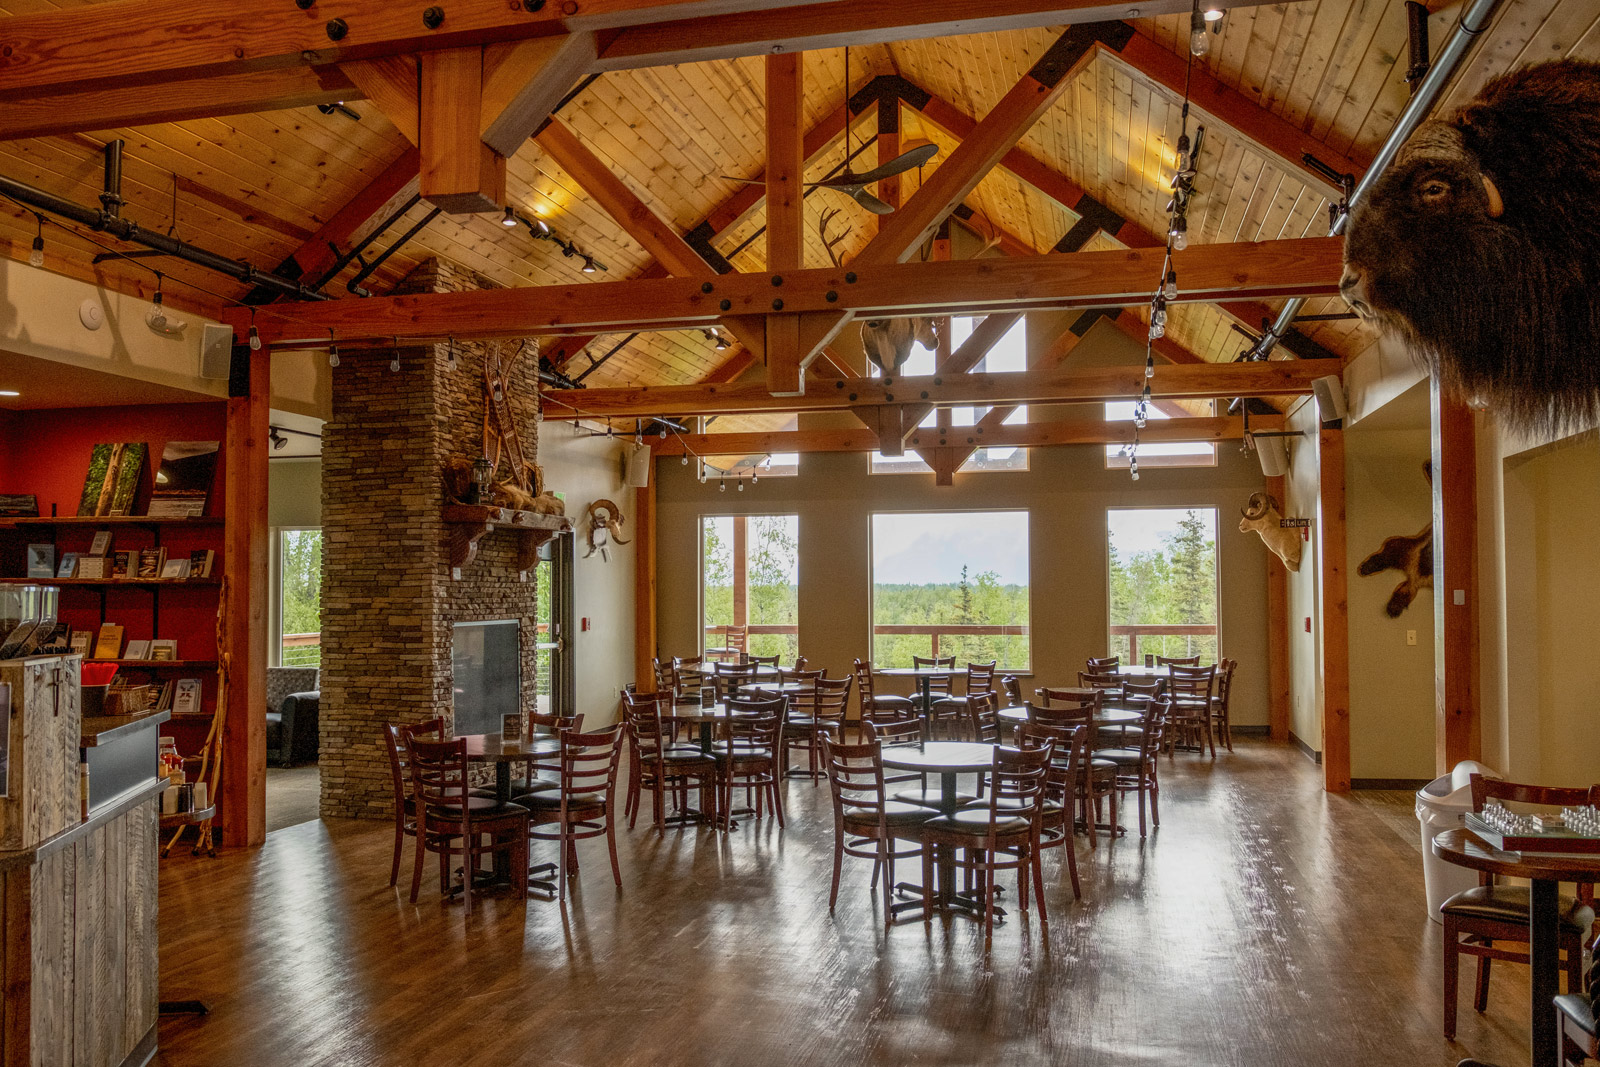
{"points": [[1497, 206], [1434, 139]]}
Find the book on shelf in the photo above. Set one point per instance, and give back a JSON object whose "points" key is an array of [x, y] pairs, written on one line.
{"points": [[108, 641], [18, 505], [176, 508], [150, 561], [115, 475], [79, 642], [163, 650], [137, 650], [200, 561], [124, 564], [69, 565], [163, 699], [186, 697], [175, 569], [101, 544], [41, 561], [91, 566]]}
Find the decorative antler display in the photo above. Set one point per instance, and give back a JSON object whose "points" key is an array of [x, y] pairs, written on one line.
{"points": [[828, 243], [1261, 516]]}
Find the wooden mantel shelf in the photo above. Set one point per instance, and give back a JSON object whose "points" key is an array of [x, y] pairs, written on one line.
{"points": [[469, 523]]}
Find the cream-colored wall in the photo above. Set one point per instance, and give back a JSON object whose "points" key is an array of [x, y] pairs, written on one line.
{"points": [[39, 317], [583, 469], [1391, 682], [294, 492], [1302, 490]]}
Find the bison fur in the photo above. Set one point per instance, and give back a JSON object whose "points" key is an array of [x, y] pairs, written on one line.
{"points": [[1480, 248]]}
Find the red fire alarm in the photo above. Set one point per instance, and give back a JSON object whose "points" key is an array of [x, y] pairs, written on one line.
{"points": [[583, 624], [1308, 624]]}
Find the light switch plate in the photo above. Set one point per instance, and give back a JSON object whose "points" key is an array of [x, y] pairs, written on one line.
{"points": [[1460, 596]]}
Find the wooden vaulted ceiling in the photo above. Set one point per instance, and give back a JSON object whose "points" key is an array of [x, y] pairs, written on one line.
{"points": [[1323, 74]]}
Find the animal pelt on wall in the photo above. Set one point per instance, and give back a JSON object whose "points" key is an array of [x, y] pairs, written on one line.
{"points": [[1480, 248], [1411, 556]]}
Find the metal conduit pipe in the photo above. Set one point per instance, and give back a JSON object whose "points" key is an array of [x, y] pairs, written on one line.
{"points": [[1473, 21], [103, 219]]}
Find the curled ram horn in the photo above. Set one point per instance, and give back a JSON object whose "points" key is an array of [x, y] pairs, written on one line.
{"points": [[1259, 506]]}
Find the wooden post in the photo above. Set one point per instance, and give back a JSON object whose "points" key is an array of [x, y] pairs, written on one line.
{"points": [[460, 173], [1277, 634], [243, 627], [644, 586], [1335, 616], [1455, 581], [785, 211], [741, 571]]}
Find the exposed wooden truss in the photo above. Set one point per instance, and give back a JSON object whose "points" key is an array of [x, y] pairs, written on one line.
{"points": [[1027, 435], [1056, 385], [1307, 267]]}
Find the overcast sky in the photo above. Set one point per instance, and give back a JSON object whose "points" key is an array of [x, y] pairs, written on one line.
{"points": [[927, 549], [1147, 529]]}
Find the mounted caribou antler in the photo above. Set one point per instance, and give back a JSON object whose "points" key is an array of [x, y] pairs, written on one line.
{"points": [[827, 242]]}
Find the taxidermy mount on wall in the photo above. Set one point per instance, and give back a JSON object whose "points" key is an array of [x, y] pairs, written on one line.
{"points": [[1411, 556], [1480, 248]]}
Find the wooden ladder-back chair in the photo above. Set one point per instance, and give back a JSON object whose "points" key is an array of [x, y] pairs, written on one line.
{"points": [[952, 709], [451, 822], [876, 707], [1189, 692], [813, 714], [866, 822], [937, 687], [749, 756], [1097, 778], [1060, 788], [1102, 665], [1220, 716], [1477, 918], [585, 805], [1109, 684], [1177, 661], [1137, 766], [728, 677], [657, 763], [1000, 834]]}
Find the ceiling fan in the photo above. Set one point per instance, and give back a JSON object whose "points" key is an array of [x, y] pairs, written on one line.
{"points": [[852, 184]]}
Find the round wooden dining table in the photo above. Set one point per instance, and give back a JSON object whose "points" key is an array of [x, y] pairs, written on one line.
{"points": [[947, 759], [924, 677], [495, 749], [1545, 874]]}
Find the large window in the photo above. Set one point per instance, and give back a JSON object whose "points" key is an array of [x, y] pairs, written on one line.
{"points": [[1154, 453], [1163, 582], [1010, 353], [750, 577], [950, 583], [300, 621]]}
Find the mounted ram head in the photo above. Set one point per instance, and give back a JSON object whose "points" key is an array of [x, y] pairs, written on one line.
{"points": [[604, 526], [1261, 515]]}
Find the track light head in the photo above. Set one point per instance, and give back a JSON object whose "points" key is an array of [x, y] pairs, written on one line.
{"points": [[510, 218], [277, 439]]}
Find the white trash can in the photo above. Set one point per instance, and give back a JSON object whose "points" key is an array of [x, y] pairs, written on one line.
{"points": [[1441, 805]]}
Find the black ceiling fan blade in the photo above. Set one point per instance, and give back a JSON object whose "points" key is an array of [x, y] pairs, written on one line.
{"points": [[900, 164], [742, 181], [872, 203]]}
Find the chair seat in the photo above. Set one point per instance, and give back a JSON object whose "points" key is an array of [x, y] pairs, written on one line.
{"points": [[742, 753], [951, 704], [931, 797], [1509, 904], [890, 703], [804, 724], [685, 754], [1098, 765], [975, 822], [895, 814], [551, 801], [1579, 1009], [477, 808], [1122, 757]]}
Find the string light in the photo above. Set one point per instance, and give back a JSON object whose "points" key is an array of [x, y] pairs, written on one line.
{"points": [[450, 353], [394, 364], [333, 355], [255, 334], [157, 318], [36, 256]]}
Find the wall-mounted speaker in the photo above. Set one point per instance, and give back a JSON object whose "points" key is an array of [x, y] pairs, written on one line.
{"points": [[216, 351], [636, 464], [1330, 399], [1273, 454]]}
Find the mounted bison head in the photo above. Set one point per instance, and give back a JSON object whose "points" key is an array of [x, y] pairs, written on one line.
{"points": [[1480, 248]]}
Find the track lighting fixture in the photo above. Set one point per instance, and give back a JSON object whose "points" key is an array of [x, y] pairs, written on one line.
{"points": [[340, 108], [36, 255], [277, 439], [588, 264], [510, 218]]}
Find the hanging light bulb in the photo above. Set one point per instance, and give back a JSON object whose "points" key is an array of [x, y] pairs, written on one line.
{"points": [[1170, 290], [1213, 14], [450, 356], [157, 318], [1199, 40], [333, 355], [753, 477], [36, 256], [1133, 469], [1149, 367], [1179, 233], [722, 486], [499, 393], [686, 459], [394, 364], [741, 485], [255, 338]]}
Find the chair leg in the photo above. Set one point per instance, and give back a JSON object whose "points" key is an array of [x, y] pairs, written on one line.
{"points": [[1038, 885], [1452, 970], [1070, 847], [399, 840], [1155, 805], [416, 869], [927, 884], [519, 864], [561, 869], [1480, 998], [611, 843], [988, 906], [838, 863], [1141, 809]]}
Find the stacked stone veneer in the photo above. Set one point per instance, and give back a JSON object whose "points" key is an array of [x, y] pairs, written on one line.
{"points": [[388, 600]]}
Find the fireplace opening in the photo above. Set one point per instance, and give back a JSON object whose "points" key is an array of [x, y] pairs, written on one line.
{"points": [[487, 660]]}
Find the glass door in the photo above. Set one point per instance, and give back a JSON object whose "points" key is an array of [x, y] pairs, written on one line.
{"points": [[553, 626]]}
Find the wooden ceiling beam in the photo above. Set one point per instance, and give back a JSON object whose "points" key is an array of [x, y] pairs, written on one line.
{"points": [[804, 27], [1056, 385], [1307, 267], [1077, 431], [523, 81], [460, 174], [115, 106], [1228, 105], [394, 85]]}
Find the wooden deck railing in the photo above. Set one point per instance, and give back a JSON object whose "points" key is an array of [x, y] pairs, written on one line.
{"points": [[1134, 632], [934, 631]]}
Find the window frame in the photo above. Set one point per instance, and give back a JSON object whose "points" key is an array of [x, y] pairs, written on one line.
{"points": [[1216, 567], [701, 622], [275, 600]]}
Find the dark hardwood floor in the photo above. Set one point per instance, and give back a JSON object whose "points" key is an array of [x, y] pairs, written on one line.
{"points": [[1266, 923]]}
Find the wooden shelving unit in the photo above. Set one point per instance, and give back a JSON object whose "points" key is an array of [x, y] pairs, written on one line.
{"points": [[110, 520], [470, 523], [162, 664], [166, 583]]}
